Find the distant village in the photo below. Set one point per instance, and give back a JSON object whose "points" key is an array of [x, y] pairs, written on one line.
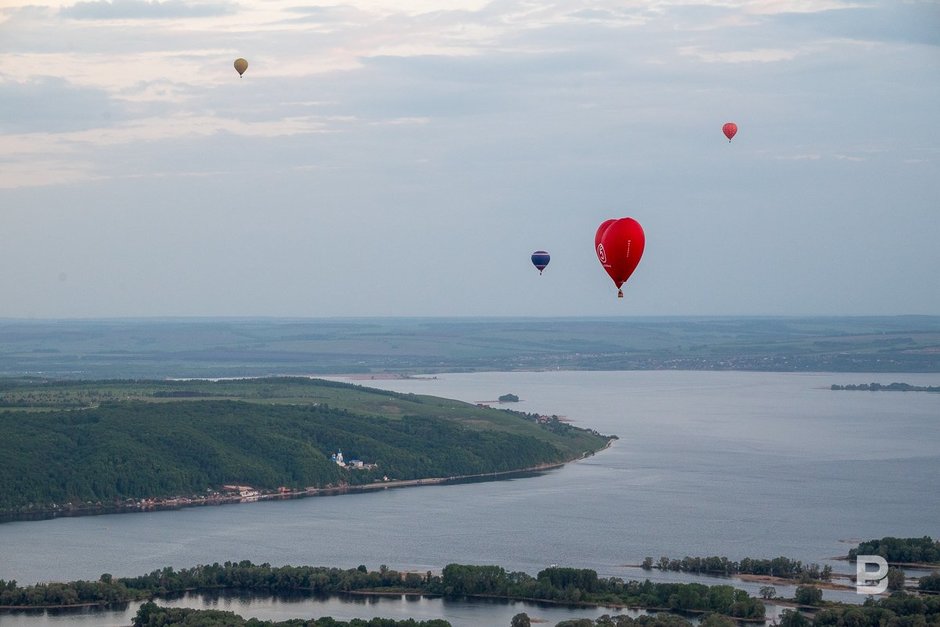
{"points": [[228, 493]]}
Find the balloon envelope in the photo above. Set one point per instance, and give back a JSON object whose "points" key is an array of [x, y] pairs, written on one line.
{"points": [[240, 66], [729, 129], [540, 259], [619, 244]]}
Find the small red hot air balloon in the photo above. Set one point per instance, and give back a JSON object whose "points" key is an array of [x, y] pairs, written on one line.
{"points": [[619, 244], [729, 129]]}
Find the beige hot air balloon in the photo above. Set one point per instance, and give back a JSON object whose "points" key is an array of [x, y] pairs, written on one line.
{"points": [[240, 66]]}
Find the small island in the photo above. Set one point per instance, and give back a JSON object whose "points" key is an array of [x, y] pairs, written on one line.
{"points": [[508, 398], [891, 387]]}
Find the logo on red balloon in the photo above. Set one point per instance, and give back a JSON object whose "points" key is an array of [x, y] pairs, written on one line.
{"points": [[601, 254]]}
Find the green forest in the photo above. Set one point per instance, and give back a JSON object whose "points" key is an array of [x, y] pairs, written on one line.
{"points": [[82, 444]]}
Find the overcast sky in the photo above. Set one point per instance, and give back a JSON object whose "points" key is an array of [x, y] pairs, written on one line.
{"points": [[376, 160]]}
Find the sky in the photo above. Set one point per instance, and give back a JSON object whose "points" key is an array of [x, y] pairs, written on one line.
{"points": [[406, 157]]}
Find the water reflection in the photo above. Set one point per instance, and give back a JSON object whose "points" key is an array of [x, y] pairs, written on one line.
{"points": [[281, 607]]}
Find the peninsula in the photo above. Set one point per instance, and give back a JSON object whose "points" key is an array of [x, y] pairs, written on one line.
{"points": [[79, 447]]}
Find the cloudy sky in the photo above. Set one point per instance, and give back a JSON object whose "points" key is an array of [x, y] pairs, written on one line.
{"points": [[405, 157]]}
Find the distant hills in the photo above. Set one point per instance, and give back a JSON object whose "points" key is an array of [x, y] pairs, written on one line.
{"points": [[99, 445], [93, 349]]}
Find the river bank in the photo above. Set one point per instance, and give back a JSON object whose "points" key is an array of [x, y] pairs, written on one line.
{"points": [[247, 494]]}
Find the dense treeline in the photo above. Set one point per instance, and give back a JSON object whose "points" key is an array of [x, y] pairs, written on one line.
{"points": [[891, 387], [137, 450], [568, 585], [105, 592], [573, 585], [776, 567], [899, 610], [923, 550], [151, 615]]}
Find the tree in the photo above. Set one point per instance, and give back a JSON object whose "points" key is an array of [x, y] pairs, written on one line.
{"points": [[808, 595], [895, 579], [521, 620], [792, 618], [768, 592], [716, 620], [930, 582], [647, 563]]}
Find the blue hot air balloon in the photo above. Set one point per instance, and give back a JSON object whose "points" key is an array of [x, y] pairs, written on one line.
{"points": [[540, 259]]}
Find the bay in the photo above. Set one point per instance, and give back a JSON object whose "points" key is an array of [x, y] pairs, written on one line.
{"points": [[707, 463]]}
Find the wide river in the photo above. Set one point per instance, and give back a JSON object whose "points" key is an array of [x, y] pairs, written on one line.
{"points": [[707, 463]]}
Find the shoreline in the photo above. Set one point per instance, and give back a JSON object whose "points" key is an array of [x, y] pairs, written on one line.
{"points": [[180, 502], [767, 579], [105, 606], [783, 581]]}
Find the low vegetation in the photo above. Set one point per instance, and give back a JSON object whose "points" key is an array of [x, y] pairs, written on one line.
{"points": [[891, 387], [782, 567]]}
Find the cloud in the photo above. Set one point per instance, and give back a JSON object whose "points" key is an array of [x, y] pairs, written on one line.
{"points": [[144, 10], [805, 157], [16, 173], [54, 105], [32, 159], [758, 55], [895, 21]]}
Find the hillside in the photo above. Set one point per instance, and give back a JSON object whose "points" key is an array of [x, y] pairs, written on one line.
{"points": [[99, 444]]}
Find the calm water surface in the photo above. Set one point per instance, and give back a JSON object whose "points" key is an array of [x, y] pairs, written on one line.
{"points": [[707, 463]]}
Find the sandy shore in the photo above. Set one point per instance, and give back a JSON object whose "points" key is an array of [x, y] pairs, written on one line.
{"points": [[781, 581]]}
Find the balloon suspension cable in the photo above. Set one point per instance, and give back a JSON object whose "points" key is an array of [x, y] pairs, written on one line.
{"points": [[619, 293]]}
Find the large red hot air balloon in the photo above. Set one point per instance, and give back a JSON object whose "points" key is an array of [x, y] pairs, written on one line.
{"points": [[729, 129], [619, 245]]}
